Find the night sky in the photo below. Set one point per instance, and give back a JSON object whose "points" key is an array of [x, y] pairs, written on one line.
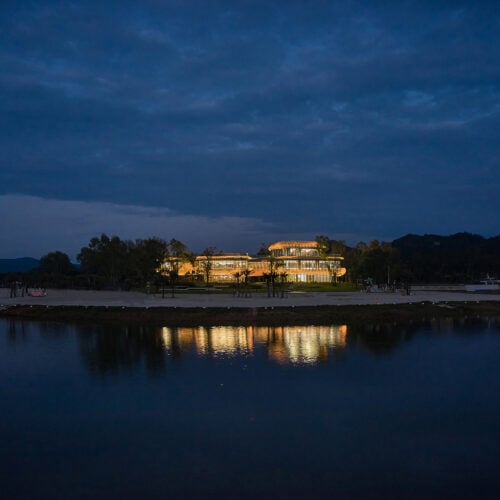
{"points": [[233, 123]]}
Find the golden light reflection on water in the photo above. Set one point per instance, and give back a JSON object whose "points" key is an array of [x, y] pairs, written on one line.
{"points": [[289, 344]]}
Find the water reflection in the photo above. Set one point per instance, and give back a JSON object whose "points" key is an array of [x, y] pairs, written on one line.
{"points": [[303, 344], [17, 330], [286, 344], [411, 410], [111, 350], [23, 330], [217, 341]]}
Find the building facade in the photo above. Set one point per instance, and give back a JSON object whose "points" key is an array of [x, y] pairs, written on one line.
{"points": [[295, 261], [302, 262]]}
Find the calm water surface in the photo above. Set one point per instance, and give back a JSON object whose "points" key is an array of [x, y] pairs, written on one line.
{"points": [[239, 412]]}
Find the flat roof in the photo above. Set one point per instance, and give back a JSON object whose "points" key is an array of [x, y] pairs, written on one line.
{"points": [[293, 244]]}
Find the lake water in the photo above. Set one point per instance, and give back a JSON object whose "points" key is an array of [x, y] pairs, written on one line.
{"points": [[250, 412]]}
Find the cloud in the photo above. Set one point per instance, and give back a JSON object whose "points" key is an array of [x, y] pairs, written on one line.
{"points": [[34, 226], [267, 112], [341, 175]]}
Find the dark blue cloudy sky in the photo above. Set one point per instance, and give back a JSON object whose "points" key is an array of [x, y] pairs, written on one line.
{"points": [[232, 123]]}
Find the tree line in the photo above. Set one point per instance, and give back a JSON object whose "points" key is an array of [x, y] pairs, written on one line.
{"points": [[458, 258], [106, 263], [113, 263]]}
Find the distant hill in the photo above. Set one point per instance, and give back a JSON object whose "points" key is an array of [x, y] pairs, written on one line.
{"points": [[459, 258], [20, 265]]}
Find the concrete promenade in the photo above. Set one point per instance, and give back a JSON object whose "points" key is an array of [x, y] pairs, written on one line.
{"points": [[137, 299]]}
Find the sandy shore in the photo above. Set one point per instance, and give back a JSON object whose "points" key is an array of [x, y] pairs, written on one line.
{"points": [[130, 308], [217, 300]]}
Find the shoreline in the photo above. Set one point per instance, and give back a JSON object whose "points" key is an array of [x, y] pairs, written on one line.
{"points": [[115, 307], [247, 314]]}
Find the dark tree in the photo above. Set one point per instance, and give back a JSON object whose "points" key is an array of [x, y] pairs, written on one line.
{"points": [[105, 261], [246, 275], [326, 247], [459, 258], [177, 254], [206, 264], [376, 263], [55, 271], [56, 263], [145, 259], [323, 247], [273, 266], [263, 251]]}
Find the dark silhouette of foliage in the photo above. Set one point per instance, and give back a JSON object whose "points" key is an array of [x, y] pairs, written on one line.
{"points": [[105, 262], [459, 258], [206, 264], [177, 253], [327, 247], [145, 258], [377, 262], [55, 271], [323, 243], [113, 263], [263, 251], [56, 263]]}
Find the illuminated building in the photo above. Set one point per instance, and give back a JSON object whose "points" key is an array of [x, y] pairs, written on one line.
{"points": [[224, 266], [297, 261], [301, 261]]}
